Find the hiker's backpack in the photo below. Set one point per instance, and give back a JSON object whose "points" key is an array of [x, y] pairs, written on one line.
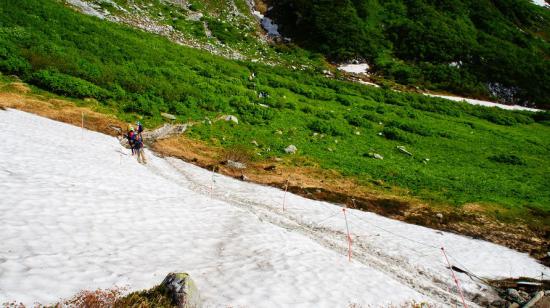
{"points": [[139, 128], [131, 137]]}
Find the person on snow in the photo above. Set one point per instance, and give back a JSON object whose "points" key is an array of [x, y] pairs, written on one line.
{"points": [[139, 127], [138, 147], [131, 136]]}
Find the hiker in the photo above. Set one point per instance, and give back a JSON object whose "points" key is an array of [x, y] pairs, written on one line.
{"points": [[138, 148], [139, 128], [131, 136]]}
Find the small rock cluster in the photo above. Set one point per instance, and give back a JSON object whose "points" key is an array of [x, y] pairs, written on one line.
{"points": [[514, 298]]}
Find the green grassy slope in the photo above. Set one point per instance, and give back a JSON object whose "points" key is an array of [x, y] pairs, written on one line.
{"points": [[461, 153], [463, 46]]}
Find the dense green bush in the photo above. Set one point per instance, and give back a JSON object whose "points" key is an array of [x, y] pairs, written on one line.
{"points": [[392, 133], [69, 85], [508, 159]]}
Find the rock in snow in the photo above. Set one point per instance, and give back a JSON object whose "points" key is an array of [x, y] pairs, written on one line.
{"points": [[183, 290]]}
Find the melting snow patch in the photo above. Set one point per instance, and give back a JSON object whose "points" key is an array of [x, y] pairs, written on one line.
{"points": [[362, 68], [482, 103], [269, 26], [541, 3]]}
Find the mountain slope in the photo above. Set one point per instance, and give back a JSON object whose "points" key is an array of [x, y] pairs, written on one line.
{"points": [[475, 47]]}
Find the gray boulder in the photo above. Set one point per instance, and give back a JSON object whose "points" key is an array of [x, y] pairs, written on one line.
{"points": [[231, 118], [165, 131], [168, 116], [291, 149], [183, 290], [235, 164]]}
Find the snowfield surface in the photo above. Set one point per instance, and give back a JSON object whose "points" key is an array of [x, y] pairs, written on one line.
{"points": [[483, 103], [78, 212]]}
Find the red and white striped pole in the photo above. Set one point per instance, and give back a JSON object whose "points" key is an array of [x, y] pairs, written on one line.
{"points": [[212, 183], [284, 195], [454, 278], [349, 236]]}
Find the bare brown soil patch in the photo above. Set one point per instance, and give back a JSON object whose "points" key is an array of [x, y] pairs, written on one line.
{"points": [[63, 111]]}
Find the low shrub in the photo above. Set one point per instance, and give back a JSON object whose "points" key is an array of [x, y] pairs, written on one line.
{"points": [[508, 159]]}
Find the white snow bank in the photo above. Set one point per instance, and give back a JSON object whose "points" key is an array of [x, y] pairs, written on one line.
{"points": [[541, 3], [267, 23], [361, 68], [77, 214], [482, 103]]}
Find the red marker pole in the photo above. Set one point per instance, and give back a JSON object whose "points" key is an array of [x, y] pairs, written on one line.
{"points": [[454, 278], [349, 236], [212, 184], [284, 195]]}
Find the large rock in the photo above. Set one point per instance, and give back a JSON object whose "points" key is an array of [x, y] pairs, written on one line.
{"points": [[291, 149], [235, 164], [165, 131], [231, 118], [168, 116], [183, 290]]}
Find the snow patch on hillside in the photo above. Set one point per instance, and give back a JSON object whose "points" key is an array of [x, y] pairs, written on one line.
{"points": [[482, 103], [360, 68], [541, 3], [78, 212], [267, 23]]}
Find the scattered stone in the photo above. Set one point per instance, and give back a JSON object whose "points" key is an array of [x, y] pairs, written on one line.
{"points": [[254, 142], [278, 159], [183, 290], [536, 298], [244, 178], [403, 150], [515, 296], [278, 132], [439, 216], [291, 149], [117, 129], [498, 303], [270, 168], [231, 118], [524, 295], [358, 133], [165, 131], [380, 134], [235, 164], [168, 116], [376, 156]]}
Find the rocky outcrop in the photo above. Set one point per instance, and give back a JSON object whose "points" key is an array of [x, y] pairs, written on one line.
{"points": [[182, 290]]}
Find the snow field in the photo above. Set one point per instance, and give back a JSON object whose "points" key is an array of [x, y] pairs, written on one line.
{"points": [[76, 213]]}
